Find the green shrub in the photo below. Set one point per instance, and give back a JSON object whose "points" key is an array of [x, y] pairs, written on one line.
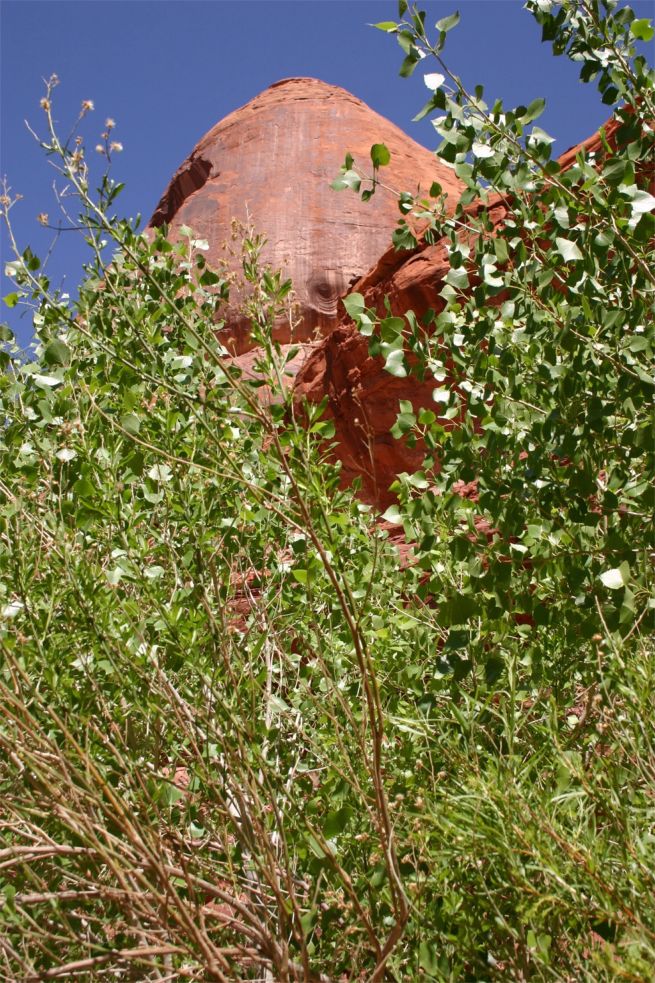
{"points": [[239, 739]]}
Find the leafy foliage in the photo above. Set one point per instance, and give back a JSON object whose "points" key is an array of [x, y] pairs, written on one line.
{"points": [[240, 738], [542, 353]]}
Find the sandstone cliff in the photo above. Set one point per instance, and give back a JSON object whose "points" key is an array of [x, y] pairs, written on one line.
{"points": [[363, 397], [271, 163]]}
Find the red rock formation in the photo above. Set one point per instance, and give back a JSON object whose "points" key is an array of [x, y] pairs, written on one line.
{"points": [[271, 163], [363, 397], [363, 401]]}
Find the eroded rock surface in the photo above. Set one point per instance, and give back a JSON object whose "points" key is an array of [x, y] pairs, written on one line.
{"points": [[363, 397], [270, 164]]}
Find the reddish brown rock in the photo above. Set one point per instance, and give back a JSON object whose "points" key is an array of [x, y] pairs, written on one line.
{"points": [[363, 402], [271, 163], [294, 357], [363, 397]]}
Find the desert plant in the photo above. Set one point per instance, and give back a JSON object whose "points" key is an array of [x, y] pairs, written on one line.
{"points": [[541, 348], [240, 740]]}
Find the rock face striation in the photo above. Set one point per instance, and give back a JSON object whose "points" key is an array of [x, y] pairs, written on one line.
{"points": [[270, 164]]}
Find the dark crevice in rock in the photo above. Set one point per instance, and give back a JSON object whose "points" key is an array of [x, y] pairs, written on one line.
{"points": [[191, 176]]}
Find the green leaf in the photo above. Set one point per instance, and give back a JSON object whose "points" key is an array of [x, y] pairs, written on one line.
{"points": [[57, 353], [408, 66], [418, 480], [308, 920], [615, 169], [459, 609], [336, 822], [316, 847], [616, 578], [209, 278], [131, 423], [642, 29], [457, 640], [389, 26], [500, 249], [642, 202], [393, 515], [349, 179], [391, 329], [354, 304], [406, 41], [402, 237], [11, 299], [539, 137], [47, 381], [84, 488], [447, 23], [534, 110], [427, 959], [160, 472], [458, 278], [568, 250], [395, 363], [32, 262], [482, 150], [490, 277], [325, 429], [154, 572], [436, 101], [380, 155]]}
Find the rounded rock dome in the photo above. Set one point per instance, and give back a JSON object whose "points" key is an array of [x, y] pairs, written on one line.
{"points": [[270, 165]]}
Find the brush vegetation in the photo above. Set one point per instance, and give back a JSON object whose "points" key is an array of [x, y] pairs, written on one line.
{"points": [[240, 739]]}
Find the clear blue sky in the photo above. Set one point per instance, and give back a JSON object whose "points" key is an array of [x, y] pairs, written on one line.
{"points": [[167, 71]]}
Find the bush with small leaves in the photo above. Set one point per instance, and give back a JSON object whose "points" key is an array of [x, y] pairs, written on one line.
{"points": [[240, 739]]}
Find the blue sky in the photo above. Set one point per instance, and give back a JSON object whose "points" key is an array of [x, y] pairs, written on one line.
{"points": [[167, 71]]}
